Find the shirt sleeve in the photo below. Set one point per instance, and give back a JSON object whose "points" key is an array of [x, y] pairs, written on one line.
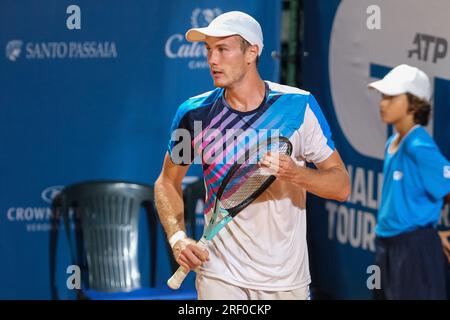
{"points": [[180, 146], [434, 169], [317, 144]]}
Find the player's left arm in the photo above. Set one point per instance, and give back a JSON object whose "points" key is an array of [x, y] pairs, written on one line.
{"points": [[330, 180], [433, 169]]}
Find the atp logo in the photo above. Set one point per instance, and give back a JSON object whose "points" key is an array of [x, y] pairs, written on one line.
{"points": [[359, 55], [13, 49], [202, 17]]}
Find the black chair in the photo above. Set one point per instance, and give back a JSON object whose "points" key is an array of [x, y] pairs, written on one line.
{"points": [[106, 216], [191, 194]]}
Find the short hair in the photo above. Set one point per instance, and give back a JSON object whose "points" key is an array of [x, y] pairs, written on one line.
{"points": [[420, 108], [245, 45]]}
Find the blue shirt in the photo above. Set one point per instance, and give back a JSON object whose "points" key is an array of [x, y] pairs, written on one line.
{"points": [[416, 179]]}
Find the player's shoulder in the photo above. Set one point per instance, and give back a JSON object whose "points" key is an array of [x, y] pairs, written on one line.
{"points": [[206, 95], [197, 102], [419, 139], [284, 89], [290, 98]]}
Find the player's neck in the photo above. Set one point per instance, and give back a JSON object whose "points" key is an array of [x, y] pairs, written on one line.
{"points": [[404, 125], [246, 95]]}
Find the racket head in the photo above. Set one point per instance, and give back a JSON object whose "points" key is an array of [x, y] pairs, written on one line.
{"points": [[245, 181]]}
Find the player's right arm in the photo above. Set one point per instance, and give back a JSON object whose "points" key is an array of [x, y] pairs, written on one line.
{"points": [[170, 207]]}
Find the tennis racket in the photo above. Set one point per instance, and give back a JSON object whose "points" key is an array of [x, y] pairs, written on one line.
{"points": [[244, 182]]}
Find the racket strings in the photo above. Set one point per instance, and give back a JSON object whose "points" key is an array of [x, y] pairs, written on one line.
{"points": [[249, 177]]}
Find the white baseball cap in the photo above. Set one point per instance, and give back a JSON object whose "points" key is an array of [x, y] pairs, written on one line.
{"points": [[403, 79], [228, 24]]}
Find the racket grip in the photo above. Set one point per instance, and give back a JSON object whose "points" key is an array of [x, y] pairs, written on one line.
{"points": [[178, 277]]}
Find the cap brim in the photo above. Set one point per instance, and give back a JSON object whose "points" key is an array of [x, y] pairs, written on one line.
{"points": [[386, 87], [199, 34]]}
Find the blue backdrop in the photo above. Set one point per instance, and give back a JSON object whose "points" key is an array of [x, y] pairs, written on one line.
{"points": [[93, 103], [97, 103]]}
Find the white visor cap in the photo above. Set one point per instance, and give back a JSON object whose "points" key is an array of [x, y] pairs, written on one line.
{"points": [[404, 79], [228, 24]]}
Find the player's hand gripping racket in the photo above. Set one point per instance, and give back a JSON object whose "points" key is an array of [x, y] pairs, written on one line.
{"points": [[244, 182]]}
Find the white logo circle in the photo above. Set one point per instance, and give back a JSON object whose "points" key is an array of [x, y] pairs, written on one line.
{"points": [[13, 49], [202, 17], [50, 193], [398, 175]]}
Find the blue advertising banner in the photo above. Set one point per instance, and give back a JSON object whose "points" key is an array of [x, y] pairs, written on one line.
{"points": [[88, 91], [348, 44]]}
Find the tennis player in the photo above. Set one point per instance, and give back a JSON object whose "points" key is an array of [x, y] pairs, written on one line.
{"points": [[262, 253], [416, 181]]}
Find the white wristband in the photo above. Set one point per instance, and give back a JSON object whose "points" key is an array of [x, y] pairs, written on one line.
{"points": [[176, 237]]}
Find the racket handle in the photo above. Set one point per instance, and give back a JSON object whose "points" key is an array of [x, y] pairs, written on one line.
{"points": [[178, 277]]}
